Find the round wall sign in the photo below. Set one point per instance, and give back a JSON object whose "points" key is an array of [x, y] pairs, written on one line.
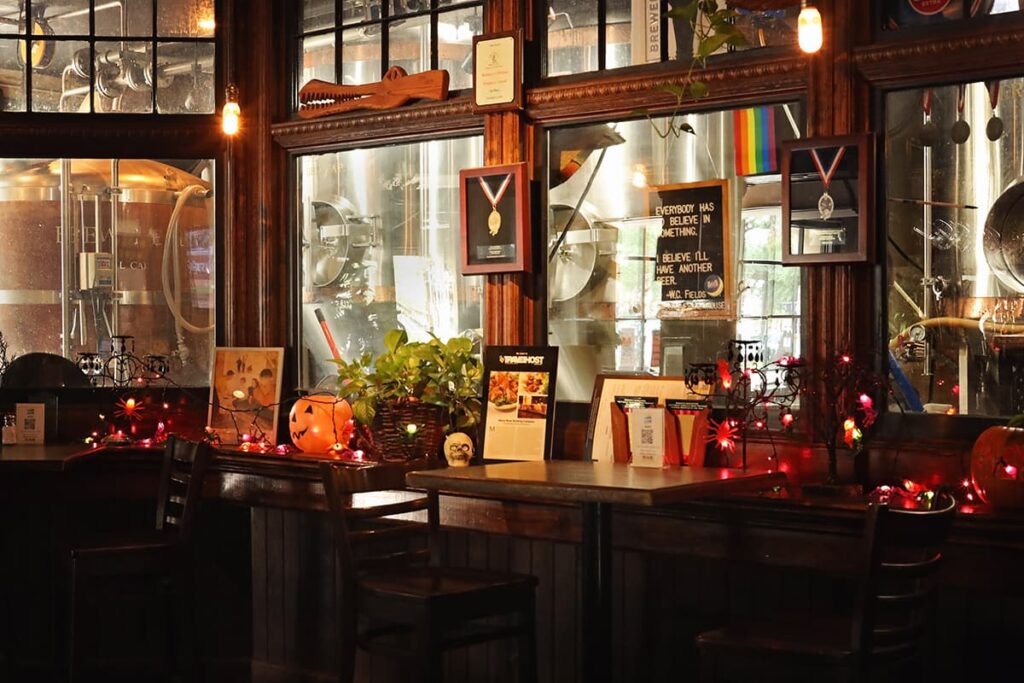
{"points": [[928, 7]]}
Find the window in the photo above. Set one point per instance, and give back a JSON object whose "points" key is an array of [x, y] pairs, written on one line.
{"points": [[355, 41], [95, 248], [590, 35], [953, 164], [901, 14], [93, 56], [379, 239], [607, 310]]}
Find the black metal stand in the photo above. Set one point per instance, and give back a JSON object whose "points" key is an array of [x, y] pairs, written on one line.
{"points": [[595, 593]]}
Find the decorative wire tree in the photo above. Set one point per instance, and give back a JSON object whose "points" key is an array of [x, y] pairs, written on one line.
{"points": [[750, 392], [843, 391]]}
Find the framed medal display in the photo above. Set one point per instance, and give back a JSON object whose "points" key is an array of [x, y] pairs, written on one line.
{"points": [[495, 210], [827, 200]]}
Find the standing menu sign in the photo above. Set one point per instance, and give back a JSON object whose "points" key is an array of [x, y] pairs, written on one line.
{"points": [[519, 410], [693, 254]]}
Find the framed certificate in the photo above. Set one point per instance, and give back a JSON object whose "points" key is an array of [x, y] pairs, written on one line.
{"points": [[497, 71], [495, 209]]}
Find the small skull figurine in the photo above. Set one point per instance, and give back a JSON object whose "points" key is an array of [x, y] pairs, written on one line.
{"points": [[458, 449]]}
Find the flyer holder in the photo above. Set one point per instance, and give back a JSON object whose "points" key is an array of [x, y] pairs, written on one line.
{"points": [[673, 455]]}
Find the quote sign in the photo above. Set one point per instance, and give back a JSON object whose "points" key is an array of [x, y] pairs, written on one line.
{"points": [[692, 254]]}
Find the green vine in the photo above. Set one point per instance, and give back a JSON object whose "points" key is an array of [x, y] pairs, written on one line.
{"points": [[713, 26]]}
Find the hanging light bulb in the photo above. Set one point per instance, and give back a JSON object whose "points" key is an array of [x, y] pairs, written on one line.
{"points": [[809, 32], [231, 116]]}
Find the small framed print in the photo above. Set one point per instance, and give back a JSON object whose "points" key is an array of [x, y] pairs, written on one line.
{"points": [[497, 72], [245, 393], [495, 209], [827, 200]]}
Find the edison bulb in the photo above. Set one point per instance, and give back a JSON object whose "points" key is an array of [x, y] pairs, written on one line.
{"points": [[231, 118], [809, 31]]}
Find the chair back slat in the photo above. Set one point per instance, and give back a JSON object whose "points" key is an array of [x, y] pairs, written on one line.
{"points": [[901, 557], [181, 485], [368, 536]]}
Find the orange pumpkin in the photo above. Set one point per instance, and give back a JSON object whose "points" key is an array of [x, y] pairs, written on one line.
{"points": [[997, 467], [318, 422]]}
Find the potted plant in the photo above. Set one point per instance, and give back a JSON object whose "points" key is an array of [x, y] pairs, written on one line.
{"points": [[406, 399]]}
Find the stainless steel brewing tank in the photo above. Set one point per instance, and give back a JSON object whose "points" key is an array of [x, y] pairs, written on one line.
{"points": [[32, 253]]}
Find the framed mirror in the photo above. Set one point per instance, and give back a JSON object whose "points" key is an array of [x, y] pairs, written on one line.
{"points": [[826, 200]]}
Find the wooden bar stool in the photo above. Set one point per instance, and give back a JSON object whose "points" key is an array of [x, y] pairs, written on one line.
{"points": [[161, 560], [394, 601], [900, 557]]}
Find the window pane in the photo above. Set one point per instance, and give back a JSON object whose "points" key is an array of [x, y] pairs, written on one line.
{"points": [[10, 13], [572, 37], [455, 31], [317, 14], [956, 246], [768, 28], [360, 56], [409, 44], [54, 91], [120, 73], [136, 21], [377, 254], [12, 77], [400, 7], [357, 11], [185, 84], [318, 58], [133, 301], [605, 304], [186, 18], [620, 47], [70, 18]]}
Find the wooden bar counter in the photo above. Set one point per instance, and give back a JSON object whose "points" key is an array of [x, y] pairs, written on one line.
{"points": [[266, 556]]}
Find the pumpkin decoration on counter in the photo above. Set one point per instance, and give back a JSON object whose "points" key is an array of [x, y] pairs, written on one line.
{"points": [[997, 467], [319, 421]]}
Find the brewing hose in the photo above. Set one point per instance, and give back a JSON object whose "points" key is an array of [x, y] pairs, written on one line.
{"points": [[170, 250]]}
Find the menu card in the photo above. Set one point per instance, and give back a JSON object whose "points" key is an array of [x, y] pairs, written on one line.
{"points": [[519, 405]]}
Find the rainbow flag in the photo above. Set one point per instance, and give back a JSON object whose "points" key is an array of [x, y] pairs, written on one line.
{"points": [[754, 135]]}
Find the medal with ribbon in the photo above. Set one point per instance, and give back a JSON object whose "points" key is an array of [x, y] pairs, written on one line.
{"points": [[826, 205], [494, 219]]}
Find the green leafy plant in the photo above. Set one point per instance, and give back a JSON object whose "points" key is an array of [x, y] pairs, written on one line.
{"points": [[441, 373], [712, 23]]}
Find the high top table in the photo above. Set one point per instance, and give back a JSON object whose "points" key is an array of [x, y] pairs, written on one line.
{"points": [[596, 487]]}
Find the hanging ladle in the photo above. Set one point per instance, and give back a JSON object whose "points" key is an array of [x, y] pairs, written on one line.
{"points": [[961, 130], [994, 129]]}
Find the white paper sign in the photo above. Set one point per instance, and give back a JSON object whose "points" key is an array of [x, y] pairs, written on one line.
{"points": [[30, 422], [647, 436]]}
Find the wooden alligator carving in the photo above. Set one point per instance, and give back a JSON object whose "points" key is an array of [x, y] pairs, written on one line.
{"points": [[320, 98]]}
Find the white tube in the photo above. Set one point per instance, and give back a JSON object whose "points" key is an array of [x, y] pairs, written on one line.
{"points": [[172, 239]]}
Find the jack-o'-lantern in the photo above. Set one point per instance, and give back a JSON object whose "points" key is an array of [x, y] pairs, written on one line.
{"points": [[317, 423]]}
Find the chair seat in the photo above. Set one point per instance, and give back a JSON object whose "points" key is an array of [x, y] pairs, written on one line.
{"points": [[439, 583], [807, 637]]}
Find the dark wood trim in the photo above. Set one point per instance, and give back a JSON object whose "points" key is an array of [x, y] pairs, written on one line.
{"points": [[738, 82], [955, 58], [454, 116]]}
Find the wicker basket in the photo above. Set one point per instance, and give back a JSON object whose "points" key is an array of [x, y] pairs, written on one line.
{"points": [[392, 439]]}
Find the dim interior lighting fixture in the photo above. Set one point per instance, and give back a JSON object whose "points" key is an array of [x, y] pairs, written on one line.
{"points": [[809, 31], [639, 177], [231, 115]]}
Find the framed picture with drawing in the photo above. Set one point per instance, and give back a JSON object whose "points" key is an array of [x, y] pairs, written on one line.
{"points": [[245, 393], [495, 212]]}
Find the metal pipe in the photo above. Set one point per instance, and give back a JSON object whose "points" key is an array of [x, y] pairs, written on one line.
{"points": [[926, 280], [115, 191], [66, 254]]}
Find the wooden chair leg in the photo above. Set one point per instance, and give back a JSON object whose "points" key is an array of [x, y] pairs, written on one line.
{"points": [[706, 663], [429, 659], [528, 644], [347, 650], [75, 614]]}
